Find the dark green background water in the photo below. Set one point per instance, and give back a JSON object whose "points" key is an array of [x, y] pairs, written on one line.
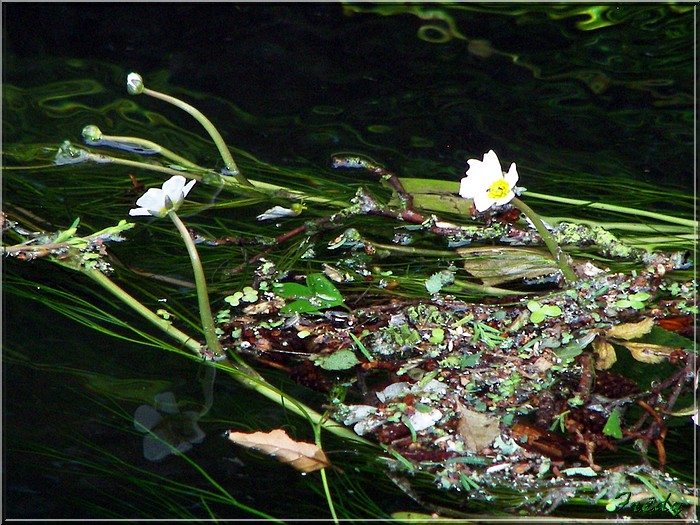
{"points": [[586, 99]]}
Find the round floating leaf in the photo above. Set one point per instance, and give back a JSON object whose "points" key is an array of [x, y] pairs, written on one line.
{"points": [[339, 360]]}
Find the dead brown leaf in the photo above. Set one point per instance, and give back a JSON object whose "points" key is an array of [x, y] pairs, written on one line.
{"points": [[605, 354], [631, 330], [305, 457], [648, 353], [477, 430]]}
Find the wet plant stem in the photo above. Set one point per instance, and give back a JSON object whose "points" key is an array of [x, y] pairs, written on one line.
{"points": [[94, 137], [164, 325], [205, 314], [614, 208], [238, 370], [557, 252], [230, 164]]}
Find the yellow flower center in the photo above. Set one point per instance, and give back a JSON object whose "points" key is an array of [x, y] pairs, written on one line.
{"points": [[498, 189]]}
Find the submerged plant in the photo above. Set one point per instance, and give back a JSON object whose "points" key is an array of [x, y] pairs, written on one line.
{"points": [[135, 86], [165, 201], [469, 402]]}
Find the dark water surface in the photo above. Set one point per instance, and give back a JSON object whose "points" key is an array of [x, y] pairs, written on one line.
{"points": [[590, 101]]}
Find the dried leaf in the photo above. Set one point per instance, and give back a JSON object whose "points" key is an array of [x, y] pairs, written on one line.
{"points": [[605, 354], [631, 330], [477, 430], [305, 457], [648, 353]]}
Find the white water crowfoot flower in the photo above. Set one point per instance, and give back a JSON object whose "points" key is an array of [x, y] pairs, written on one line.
{"points": [[487, 184], [277, 212], [158, 202]]}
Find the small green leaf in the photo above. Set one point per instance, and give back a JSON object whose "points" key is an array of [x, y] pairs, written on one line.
{"points": [[468, 361], [250, 295], [612, 426], [235, 299], [67, 234], [436, 281], [362, 347], [568, 352], [323, 288], [300, 306], [292, 290], [420, 407], [641, 296], [533, 306], [551, 310], [438, 336], [339, 360], [537, 316]]}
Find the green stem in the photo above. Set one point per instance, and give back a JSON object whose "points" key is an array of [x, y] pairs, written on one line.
{"points": [[200, 281], [134, 144], [615, 208], [165, 326], [213, 132], [240, 371], [106, 159], [557, 253]]}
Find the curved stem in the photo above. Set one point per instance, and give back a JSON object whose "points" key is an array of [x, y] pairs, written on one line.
{"points": [[230, 164], [557, 253], [201, 283]]}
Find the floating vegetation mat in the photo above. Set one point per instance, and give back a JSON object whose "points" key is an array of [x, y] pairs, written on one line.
{"points": [[501, 395]]}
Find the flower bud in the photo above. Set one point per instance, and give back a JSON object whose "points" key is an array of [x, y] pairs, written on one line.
{"points": [[134, 84], [92, 133]]}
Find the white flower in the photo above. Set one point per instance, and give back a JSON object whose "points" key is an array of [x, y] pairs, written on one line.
{"points": [[276, 212], [158, 202], [487, 184]]}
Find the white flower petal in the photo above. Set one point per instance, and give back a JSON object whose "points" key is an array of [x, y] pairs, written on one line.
{"points": [[173, 187], [276, 212], [512, 175], [504, 200], [482, 202], [491, 164], [158, 202], [140, 212], [153, 199], [188, 187], [466, 188]]}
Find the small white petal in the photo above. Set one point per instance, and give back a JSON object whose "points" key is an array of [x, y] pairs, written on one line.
{"points": [[512, 175], [482, 202], [188, 187], [505, 200], [140, 212], [173, 187], [492, 164], [153, 199], [466, 189], [276, 212]]}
